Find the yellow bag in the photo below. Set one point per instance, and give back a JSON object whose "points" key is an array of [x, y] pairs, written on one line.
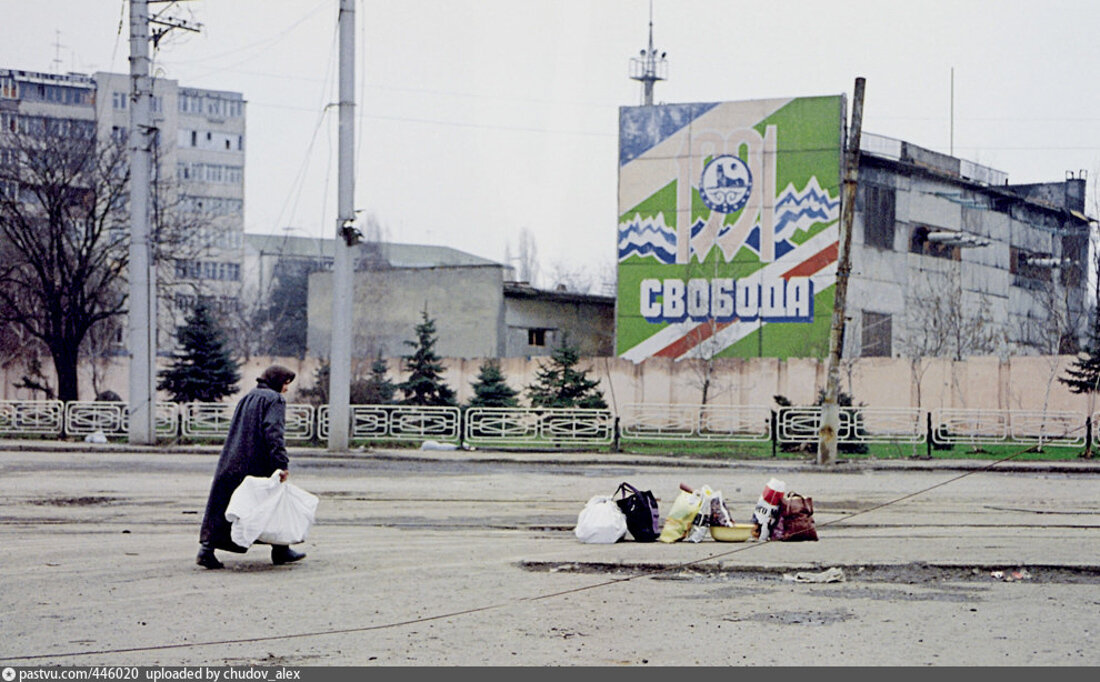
{"points": [[678, 521]]}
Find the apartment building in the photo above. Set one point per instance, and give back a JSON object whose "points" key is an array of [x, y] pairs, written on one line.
{"points": [[198, 175]]}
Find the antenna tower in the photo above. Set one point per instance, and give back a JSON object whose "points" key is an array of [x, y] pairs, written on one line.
{"points": [[649, 67]]}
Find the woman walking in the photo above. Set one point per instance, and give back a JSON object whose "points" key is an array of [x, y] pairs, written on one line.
{"points": [[255, 446]]}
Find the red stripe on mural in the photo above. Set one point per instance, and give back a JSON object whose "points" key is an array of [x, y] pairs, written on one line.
{"points": [[690, 340], [814, 263], [704, 331]]}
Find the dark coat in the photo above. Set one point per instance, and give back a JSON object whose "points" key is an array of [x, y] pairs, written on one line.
{"points": [[255, 446]]}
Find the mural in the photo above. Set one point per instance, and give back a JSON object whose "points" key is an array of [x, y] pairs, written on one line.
{"points": [[728, 224]]}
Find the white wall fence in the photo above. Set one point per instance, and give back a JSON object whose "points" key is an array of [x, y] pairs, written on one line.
{"points": [[534, 427]]}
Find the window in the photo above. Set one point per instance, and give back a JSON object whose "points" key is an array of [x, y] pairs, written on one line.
{"points": [[920, 244], [1028, 265], [536, 337], [876, 335], [878, 216], [118, 100]]}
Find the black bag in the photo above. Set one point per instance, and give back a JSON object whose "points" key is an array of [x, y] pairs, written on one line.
{"points": [[642, 515]]}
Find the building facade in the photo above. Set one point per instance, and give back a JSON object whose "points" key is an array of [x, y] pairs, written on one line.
{"points": [[950, 260], [477, 310], [199, 159]]}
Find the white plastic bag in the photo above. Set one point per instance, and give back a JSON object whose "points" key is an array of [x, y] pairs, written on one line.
{"points": [[269, 510], [601, 521]]}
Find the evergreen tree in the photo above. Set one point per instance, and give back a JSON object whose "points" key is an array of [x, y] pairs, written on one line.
{"points": [[377, 389], [425, 385], [558, 384], [491, 389], [1083, 376], [202, 369]]}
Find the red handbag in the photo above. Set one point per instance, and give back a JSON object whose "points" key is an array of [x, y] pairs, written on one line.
{"points": [[796, 519]]}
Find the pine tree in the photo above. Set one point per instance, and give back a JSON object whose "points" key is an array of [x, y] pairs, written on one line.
{"points": [[425, 385], [1084, 375], [557, 384], [202, 369], [377, 389], [491, 389]]}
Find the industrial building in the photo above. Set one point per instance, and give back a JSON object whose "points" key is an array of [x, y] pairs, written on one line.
{"points": [[950, 259]]}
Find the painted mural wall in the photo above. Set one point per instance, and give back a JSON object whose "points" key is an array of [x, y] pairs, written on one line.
{"points": [[728, 224]]}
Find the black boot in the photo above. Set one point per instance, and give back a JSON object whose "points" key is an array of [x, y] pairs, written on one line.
{"points": [[207, 559], [282, 554]]}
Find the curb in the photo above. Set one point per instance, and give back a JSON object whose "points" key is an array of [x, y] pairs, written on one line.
{"points": [[581, 458]]}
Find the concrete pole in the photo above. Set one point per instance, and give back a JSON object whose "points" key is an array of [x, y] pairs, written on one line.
{"points": [[142, 318], [342, 271], [830, 411]]}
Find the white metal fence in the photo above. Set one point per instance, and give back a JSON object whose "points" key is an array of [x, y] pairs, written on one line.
{"points": [[522, 426], [652, 421], [538, 426], [396, 422]]}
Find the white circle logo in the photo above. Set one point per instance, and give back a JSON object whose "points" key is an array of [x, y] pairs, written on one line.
{"points": [[726, 184], [9, 674]]}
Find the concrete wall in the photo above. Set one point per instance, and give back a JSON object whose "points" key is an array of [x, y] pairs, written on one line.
{"points": [[466, 304], [590, 326], [1020, 383]]}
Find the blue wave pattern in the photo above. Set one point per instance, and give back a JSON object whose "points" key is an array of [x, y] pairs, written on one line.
{"points": [[794, 212], [647, 237]]}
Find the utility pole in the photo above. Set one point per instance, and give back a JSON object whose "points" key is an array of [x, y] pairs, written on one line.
{"points": [[830, 411], [339, 387], [143, 319], [142, 268]]}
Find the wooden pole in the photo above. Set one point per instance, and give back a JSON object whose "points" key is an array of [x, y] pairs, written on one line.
{"points": [[830, 411]]}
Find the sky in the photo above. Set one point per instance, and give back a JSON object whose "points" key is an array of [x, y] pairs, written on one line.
{"points": [[477, 122]]}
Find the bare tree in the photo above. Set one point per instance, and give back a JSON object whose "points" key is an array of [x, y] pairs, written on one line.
{"points": [[62, 217], [566, 277], [528, 270], [943, 324]]}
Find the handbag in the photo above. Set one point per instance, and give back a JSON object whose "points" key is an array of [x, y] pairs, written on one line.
{"points": [[640, 509], [796, 519]]}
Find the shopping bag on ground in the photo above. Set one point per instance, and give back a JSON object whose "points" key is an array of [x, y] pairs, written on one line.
{"points": [[640, 509], [271, 511], [601, 521], [684, 509]]}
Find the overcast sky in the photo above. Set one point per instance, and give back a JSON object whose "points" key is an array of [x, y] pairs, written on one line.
{"points": [[477, 120]]}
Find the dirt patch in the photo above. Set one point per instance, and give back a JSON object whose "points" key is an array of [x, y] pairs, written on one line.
{"points": [[795, 617], [74, 501]]}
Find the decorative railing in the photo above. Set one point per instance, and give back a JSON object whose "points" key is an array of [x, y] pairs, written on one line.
{"points": [[990, 427], [696, 422], [536, 427], [396, 422], [32, 417], [856, 425]]}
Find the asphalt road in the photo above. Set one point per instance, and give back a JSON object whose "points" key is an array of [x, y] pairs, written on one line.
{"points": [[469, 559]]}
